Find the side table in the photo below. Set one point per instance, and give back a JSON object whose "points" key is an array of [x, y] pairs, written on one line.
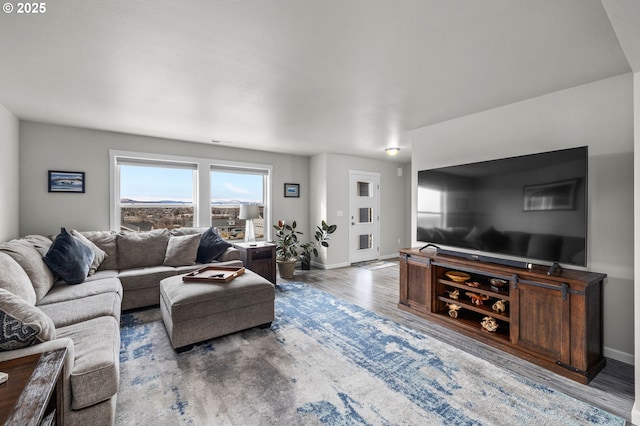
{"points": [[33, 393], [260, 257]]}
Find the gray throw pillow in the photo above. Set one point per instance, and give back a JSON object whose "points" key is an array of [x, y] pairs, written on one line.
{"points": [[40, 243], [31, 261], [182, 250], [142, 249], [15, 280], [105, 241], [69, 258], [188, 230], [99, 254], [22, 324]]}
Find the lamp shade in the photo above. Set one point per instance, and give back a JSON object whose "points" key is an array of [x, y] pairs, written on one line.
{"points": [[249, 211]]}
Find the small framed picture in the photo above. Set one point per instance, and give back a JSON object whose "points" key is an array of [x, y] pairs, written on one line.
{"points": [[66, 181], [292, 190]]}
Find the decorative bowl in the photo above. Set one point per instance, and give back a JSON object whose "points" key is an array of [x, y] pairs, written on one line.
{"points": [[457, 276], [498, 283]]}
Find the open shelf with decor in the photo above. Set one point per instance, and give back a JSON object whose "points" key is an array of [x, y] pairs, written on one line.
{"points": [[554, 321]]}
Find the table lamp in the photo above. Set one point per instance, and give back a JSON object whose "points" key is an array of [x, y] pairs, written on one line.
{"points": [[248, 212]]}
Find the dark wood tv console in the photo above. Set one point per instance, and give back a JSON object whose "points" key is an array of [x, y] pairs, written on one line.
{"points": [[554, 321]]}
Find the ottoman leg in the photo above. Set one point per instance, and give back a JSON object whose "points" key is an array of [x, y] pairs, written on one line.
{"points": [[265, 325]]}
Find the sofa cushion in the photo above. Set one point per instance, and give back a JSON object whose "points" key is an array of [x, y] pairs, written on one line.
{"points": [[106, 241], [211, 246], [69, 258], [62, 291], [22, 324], [138, 278], [78, 310], [182, 250], [99, 254], [95, 372], [100, 275], [40, 243], [15, 280], [31, 261], [141, 249]]}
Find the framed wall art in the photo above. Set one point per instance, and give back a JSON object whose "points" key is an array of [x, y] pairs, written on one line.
{"points": [[292, 190], [66, 181]]}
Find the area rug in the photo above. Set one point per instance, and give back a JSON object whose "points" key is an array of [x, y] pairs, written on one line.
{"points": [[325, 362], [372, 265]]}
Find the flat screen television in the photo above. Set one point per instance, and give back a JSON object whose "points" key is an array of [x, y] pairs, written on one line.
{"points": [[531, 208]]}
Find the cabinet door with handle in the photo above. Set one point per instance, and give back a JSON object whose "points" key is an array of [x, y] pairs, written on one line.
{"points": [[415, 283], [542, 322]]}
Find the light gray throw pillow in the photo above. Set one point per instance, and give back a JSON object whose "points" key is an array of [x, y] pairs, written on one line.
{"points": [[142, 249], [31, 261], [100, 254], [15, 280], [182, 250]]}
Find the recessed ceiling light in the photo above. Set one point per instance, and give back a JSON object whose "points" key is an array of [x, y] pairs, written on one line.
{"points": [[393, 151]]}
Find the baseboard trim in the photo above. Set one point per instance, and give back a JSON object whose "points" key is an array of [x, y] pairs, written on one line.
{"points": [[625, 357], [332, 266]]}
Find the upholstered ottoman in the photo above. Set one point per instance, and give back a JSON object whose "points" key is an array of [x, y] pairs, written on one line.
{"points": [[195, 311]]}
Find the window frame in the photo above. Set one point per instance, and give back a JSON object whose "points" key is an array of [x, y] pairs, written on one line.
{"points": [[249, 168], [202, 183]]}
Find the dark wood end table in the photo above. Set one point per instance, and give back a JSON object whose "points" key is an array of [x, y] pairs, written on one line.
{"points": [[33, 393], [259, 257]]}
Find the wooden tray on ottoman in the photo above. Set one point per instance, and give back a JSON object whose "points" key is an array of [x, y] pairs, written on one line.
{"points": [[214, 274]]}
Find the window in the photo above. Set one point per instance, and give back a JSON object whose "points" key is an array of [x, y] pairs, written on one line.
{"points": [[232, 187], [156, 194], [159, 191]]}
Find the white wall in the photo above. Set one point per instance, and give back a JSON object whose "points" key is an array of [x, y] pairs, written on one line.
{"points": [[9, 173], [318, 204], [395, 232], [49, 147], [599, 115]]}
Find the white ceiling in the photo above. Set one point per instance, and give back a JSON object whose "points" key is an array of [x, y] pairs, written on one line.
{"points": [[301, 76]]}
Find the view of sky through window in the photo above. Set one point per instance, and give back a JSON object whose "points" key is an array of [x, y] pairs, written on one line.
{"points": [[236, 187], [175, 185], [155, 184]]}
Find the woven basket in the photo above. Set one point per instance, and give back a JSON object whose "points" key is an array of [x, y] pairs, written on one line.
{"points": [[286, 268]]}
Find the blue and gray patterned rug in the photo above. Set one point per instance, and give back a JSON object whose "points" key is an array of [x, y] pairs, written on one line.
{"points": [[326, 362]]}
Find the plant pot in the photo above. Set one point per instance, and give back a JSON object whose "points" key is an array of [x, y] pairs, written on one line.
{"points": [[286, 267]]}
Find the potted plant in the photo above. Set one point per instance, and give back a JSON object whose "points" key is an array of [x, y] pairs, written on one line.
{"points": [[286, 241], [289, 248], [322, 236]]}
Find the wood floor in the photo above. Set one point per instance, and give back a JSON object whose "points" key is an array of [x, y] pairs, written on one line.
{"points": [[378, 291]]}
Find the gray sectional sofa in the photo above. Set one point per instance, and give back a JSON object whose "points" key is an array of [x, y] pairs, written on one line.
{"points": [[53, 296]]}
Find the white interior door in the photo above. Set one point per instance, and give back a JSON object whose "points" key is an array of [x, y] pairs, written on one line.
{"points": [[364, 216]]}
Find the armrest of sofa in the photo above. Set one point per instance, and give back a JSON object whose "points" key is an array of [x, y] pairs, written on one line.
{"points": [[231, 253], [39, 348]]}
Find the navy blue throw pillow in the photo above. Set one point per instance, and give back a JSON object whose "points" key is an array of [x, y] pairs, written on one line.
{"points": [[211, 246], [69, 258]]}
